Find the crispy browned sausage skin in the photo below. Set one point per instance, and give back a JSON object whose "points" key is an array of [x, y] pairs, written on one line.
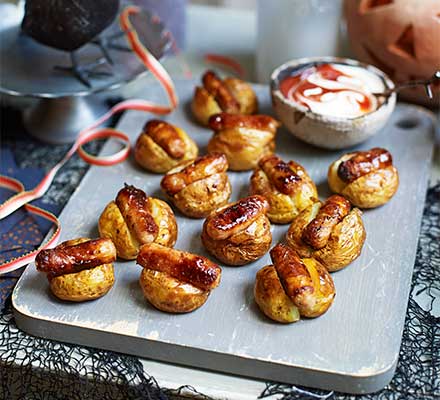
{"points": [[215, 86], [292, 272], [280, 174], [222, 121], [65, 259], [186, 267], [364, 162], [333, 211], [202, 167], [236, 216], [166, 136], [132, 202]]}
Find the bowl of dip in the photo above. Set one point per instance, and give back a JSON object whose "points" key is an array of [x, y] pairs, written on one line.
{"points": [[329, 101]]}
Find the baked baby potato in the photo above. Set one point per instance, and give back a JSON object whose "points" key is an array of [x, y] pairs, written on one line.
{"points": [[293, 287], [199, 186], [244, 139], [79, 269], [134, 219], [331, 232], [238, 233], [161, 146], [176, 281], [286, 186], [367, 178], [230, 95]]}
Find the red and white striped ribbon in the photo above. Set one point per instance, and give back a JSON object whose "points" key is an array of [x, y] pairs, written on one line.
{"points": [[23, 197], [16, 186]]}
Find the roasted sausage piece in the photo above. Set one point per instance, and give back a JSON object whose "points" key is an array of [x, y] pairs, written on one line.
{"points": [[333, 211], [364, 162], [280, 174], [291, 270], [223, 121], [132, 203], [201, 167], [305, 281], [67, 259], [236, 217], [166, 136], [222, 95], [186, 267], [238, 233]]}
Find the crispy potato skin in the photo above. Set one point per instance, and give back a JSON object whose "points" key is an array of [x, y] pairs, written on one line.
{"points": [[229, 95], [112, 225], [270, 296], [286, 186], [204, 105], [238, 233], [369, 181], [162, 146], [244, 94], [200, 186], [88, 284], [169, 294], [244, 139], [305, 281], [176, 281], [343, 245]]}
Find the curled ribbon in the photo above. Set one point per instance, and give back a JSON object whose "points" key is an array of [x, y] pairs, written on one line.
{"points": [[23, 197]]}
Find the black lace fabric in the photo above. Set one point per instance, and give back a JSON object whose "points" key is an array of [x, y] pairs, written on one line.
{"points": [[86, 373]]}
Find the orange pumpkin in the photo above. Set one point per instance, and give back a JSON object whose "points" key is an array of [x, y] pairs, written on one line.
{"points": [[401, 37]]}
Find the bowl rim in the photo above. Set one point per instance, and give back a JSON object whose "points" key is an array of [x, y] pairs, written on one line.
{"points": [[312, 61]]}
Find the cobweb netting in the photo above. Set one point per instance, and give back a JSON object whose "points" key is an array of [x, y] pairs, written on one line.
{"points": [[87, 373]]}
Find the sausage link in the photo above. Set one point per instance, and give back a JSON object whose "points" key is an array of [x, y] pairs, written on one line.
{"points": [[186, 267], [292, 272], [235, 217], [201, 167], [218, 122], [280, 174], [222, 95], [166, 136], [333, 211], [364, 162], [65, 259], [133, 204]]}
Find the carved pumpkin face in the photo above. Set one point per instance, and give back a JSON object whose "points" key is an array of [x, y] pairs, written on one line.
{"points": [[401, 37]]}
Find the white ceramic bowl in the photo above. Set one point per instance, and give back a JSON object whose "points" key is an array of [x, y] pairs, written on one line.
{"points": [[330, 132]]}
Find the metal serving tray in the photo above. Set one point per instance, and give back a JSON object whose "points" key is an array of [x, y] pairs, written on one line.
{"points": [[352, 348]]}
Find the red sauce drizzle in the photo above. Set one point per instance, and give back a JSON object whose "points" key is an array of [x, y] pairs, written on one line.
{"points": [[300, 83]]}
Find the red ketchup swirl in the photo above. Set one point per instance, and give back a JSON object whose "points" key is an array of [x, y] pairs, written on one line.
{"points": [[312, 86]]}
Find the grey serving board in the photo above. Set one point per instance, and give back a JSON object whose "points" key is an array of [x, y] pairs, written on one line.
{"points": [[352, 348]]}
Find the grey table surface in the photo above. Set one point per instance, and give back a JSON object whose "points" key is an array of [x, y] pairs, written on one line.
{"points": [[241, 43]]}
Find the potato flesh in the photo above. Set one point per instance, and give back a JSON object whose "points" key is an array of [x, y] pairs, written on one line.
{"points": [[271, 297]]}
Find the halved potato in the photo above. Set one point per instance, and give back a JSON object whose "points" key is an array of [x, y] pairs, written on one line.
{"points": [[272, 299], [169, 294], [343, 246], [112, 225], [369, 191], [85, 285]]}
